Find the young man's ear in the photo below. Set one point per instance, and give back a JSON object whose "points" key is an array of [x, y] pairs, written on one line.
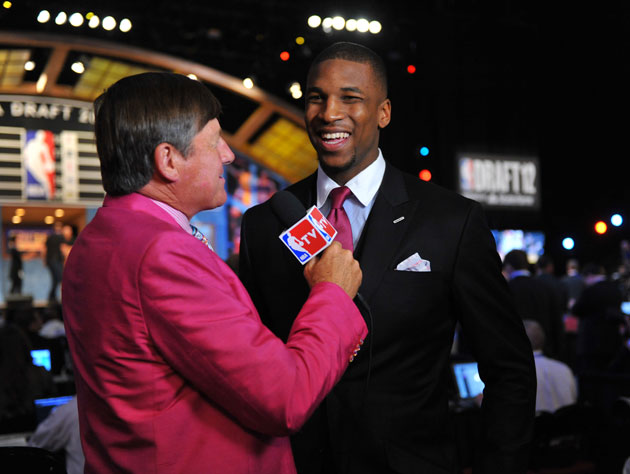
{"points": [[384, 113], [166, 158]]}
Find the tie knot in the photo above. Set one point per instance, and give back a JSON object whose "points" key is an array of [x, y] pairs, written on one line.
{"points": [[338, 196]]}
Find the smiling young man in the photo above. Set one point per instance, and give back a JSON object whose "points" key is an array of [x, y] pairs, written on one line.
{"points": [[429, 262], [175, 373]]}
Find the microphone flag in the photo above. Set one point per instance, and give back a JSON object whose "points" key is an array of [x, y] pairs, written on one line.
{"points": [[309, 236]]}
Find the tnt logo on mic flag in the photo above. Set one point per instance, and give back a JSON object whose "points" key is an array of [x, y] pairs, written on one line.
{"points": [[305, 239], [325, 228], [39, 162]]}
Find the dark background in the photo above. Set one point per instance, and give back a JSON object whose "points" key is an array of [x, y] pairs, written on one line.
{"points": [[523, 78]]}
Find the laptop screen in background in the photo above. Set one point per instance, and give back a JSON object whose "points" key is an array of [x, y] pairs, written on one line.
{"points": [[43, 406], [469, 383], [41, 357]]}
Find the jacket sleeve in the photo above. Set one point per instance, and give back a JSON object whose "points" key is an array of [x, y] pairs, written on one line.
{"points": [[204, 324], [501, 348]]}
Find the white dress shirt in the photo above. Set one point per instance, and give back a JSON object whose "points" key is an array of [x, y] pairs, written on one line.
{"points": [[364, 187]]}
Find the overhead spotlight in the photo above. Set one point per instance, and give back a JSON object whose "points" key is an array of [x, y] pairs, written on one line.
{"points": [[363, 26], [43, 16], [6, 4], [327, 24], [20, 211], [125, 25], [29, 65], [59, 212], [192, 76], [49, 220], [351, 24], [568, 243], [61, 18], [616, 220], [338, 23], [248, 83], [78, 67], [109, 23], [16, 219], [296, 90], [375, 27], [93, 21], [76, 20], [314, 21]]}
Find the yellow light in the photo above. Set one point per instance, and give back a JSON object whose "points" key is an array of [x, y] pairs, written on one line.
{"points": [[41, 83], [94, 21], [59, 212], [601, 227], [16, 219], [192, 76], [89, 15], [7, 4], [49, 219], [299, 40], [20, 212]]}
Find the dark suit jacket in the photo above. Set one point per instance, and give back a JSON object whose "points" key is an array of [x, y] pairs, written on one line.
{"points": [[389, 413]]}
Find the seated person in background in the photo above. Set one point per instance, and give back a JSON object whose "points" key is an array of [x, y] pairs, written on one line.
{"points": [[556, 386], [60, 431], [21, 382]]}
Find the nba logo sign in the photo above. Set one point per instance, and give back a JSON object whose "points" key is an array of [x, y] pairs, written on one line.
{"points": [[39, 163], [309, 236]]}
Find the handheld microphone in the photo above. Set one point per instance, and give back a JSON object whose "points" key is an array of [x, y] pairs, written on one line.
{"points": [[307, 232]]}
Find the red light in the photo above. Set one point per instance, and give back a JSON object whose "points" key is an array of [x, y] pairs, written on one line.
{"points": [[425, 175], [411, 69], [601, 227], [284, 55]]}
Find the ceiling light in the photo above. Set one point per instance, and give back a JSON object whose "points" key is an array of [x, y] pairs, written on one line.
{"points": [[49, 220], [314, 21], [125, 25], [351, 24], [43, 16], [93, 21], [248, 83], [109, 23], [76, 19], [61, 18], [59, 212], [20, 211], [375, 27], [29, 65], [78, 67], [363, 25], [16, 219], [338, 23]]}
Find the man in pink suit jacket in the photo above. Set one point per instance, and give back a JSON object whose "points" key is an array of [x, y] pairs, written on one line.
{"points": [[174, 370]]}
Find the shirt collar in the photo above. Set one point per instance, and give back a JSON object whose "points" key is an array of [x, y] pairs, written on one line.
{"points": [[364, 186], [176, 214]]}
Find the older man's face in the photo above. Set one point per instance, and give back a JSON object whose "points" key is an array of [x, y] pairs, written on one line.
{"points": [[202, 171]]}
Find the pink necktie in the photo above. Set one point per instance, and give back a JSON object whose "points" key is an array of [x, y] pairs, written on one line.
{"points": [[338, 217]]}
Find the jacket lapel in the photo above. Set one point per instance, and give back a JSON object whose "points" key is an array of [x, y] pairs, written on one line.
{"points": [[384, 230]]}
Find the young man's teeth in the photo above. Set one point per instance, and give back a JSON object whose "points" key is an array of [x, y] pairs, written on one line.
{"points": [[335, 136]]}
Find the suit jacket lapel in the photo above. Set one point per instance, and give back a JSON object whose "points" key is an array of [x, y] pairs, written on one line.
{"points": [[384, 229]]}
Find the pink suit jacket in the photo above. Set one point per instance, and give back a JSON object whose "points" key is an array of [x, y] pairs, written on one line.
{"points": [[174, 370]]}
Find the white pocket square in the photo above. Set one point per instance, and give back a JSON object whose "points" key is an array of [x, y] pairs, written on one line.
{"points": [[414, 263]]}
